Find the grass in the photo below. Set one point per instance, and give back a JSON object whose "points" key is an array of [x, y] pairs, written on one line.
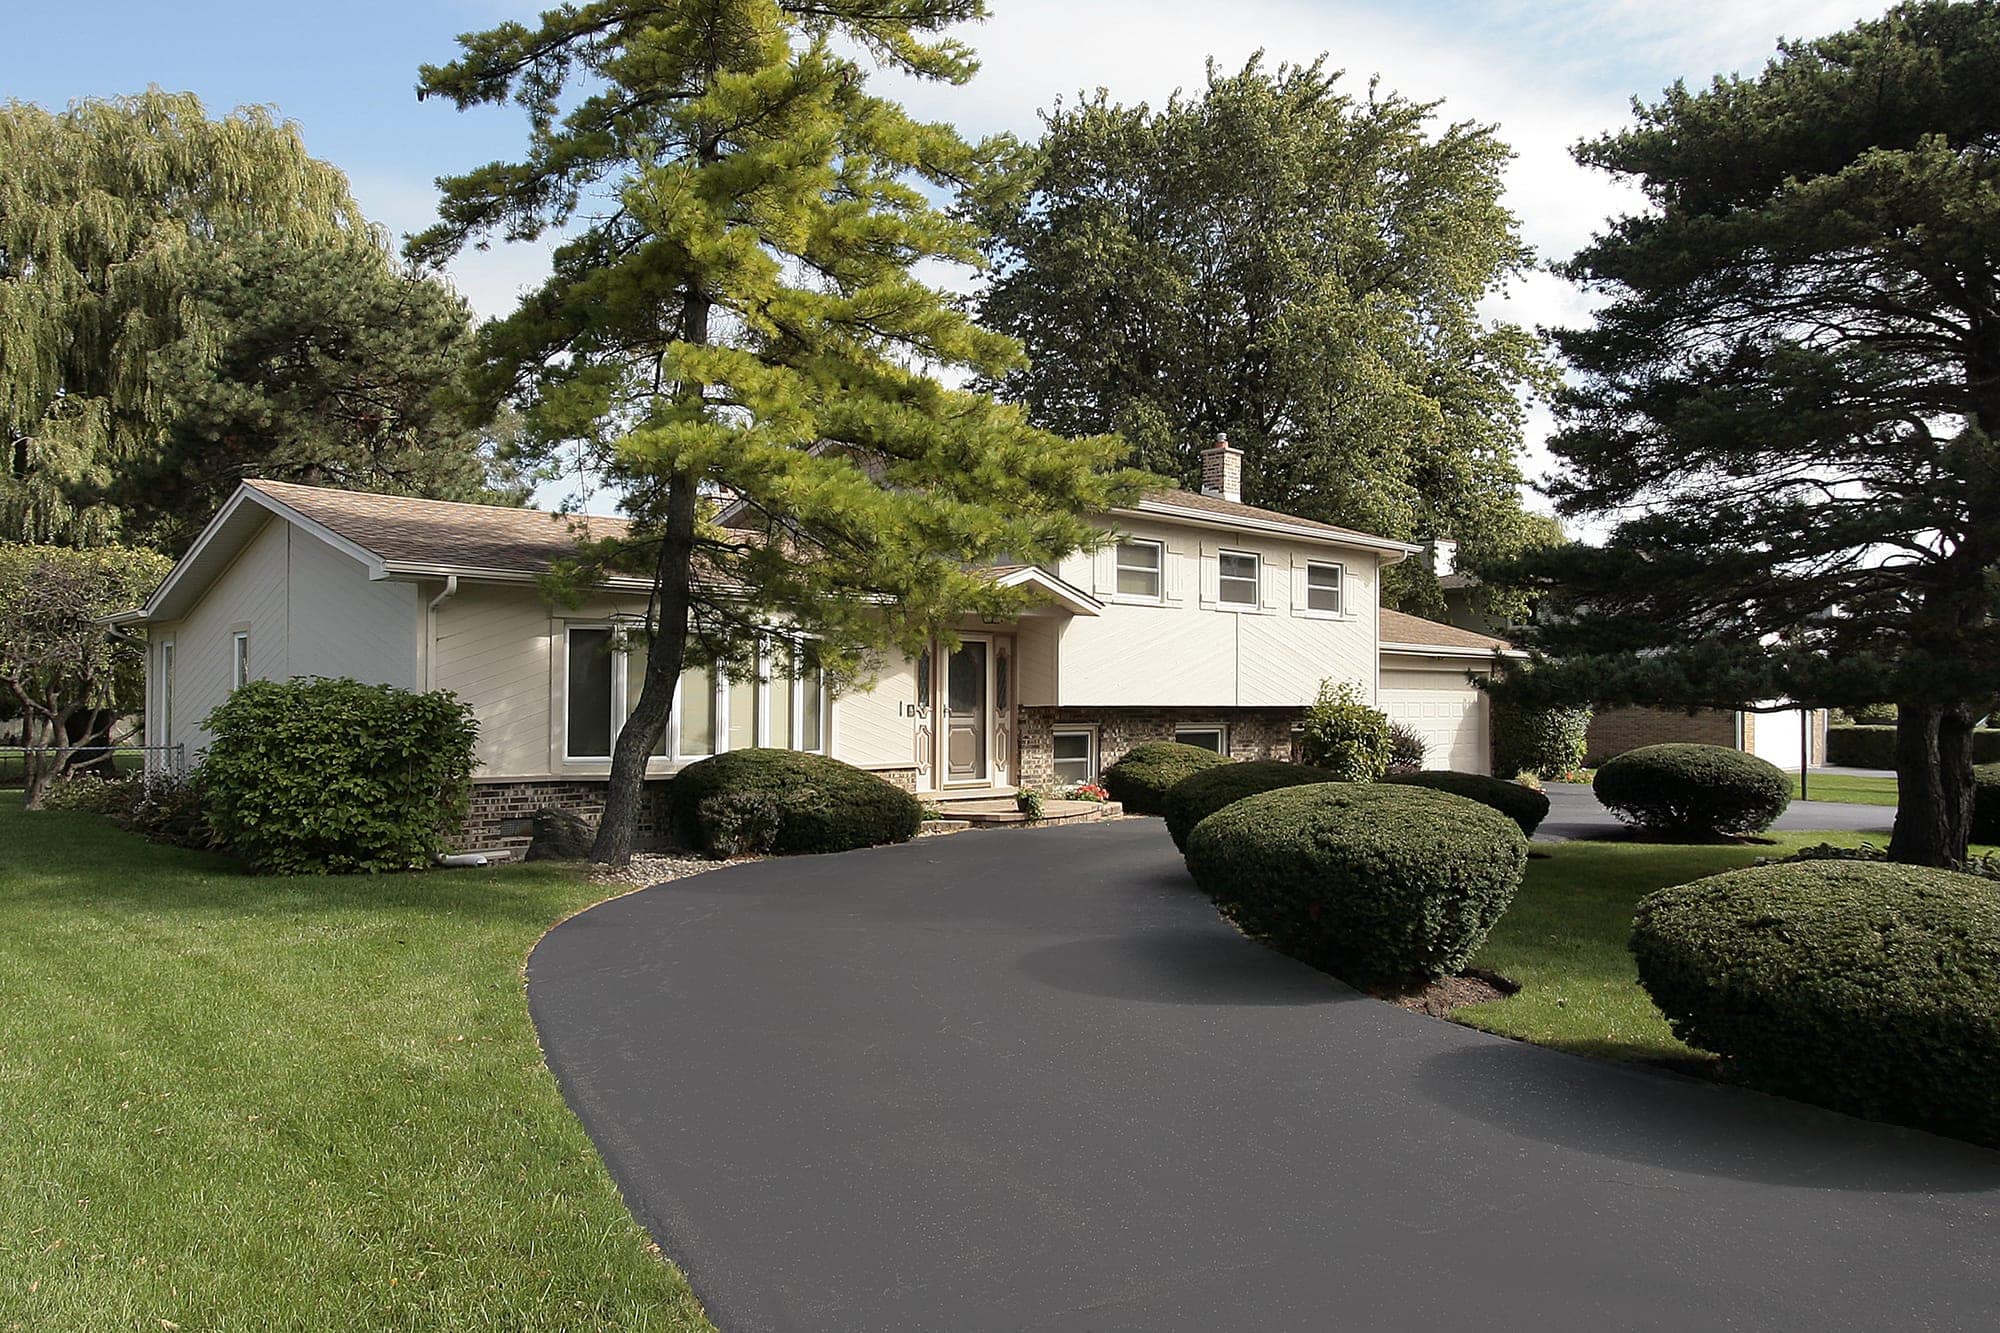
{"points": [[1564, 941], [237, 1102], [1846, 787]]}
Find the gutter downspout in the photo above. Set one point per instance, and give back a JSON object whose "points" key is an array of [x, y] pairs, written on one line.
{"points": [[431, 628]]}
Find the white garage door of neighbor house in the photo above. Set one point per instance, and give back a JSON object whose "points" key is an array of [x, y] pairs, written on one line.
{"points": [[1452, 723]]}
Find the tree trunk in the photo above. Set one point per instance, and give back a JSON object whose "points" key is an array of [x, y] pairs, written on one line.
{"points": [[625, 793], [40, 760], [1934, 785]]}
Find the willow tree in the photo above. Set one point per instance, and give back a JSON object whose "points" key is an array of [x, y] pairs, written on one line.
{"points": [[736, 314], [1789, 404], [104, 208]]}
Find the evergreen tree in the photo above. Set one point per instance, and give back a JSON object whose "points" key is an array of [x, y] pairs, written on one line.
{"points": [[734, 314], [1292, 266], [1790, 403]]}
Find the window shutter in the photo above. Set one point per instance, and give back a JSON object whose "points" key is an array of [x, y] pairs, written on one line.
{"points": [[1211, 576], [1105, 563], [1171, 560], [1273, 576], [1299, 583]]}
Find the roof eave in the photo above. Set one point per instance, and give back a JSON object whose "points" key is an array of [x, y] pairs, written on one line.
{"points": [[1441, 650], [1150, 508]]}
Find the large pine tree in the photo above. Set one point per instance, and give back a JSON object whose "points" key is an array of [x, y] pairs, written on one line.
{"points": [[737, 311], [1789, 404]]}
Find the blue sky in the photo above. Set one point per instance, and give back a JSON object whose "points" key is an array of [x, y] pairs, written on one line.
{"points": [[1548, 72]]}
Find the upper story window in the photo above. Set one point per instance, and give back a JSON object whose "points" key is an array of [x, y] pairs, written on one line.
{"points": [[1326, 588], [1238, 578], [1139, 569], [239, 659]]}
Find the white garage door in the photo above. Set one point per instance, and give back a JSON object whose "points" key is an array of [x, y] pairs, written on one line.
{"points": [[1451, 721]]}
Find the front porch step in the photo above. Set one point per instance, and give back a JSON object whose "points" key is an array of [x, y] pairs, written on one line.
{"points": [[988, 810]]}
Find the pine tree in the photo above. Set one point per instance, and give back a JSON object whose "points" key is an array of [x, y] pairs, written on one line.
{"points": [[1790, 403], [735, 313]]}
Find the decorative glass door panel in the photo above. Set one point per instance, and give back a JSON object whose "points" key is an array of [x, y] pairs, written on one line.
{"points": [[968, 715]]}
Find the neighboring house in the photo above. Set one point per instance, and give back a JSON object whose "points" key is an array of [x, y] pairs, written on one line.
{"points": [[1208, 621]]}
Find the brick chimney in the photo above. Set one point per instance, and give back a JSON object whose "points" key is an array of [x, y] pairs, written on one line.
{"points": [[1222, 470]]}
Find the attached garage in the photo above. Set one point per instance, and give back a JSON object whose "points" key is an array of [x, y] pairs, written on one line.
{"points": [[1426, 684]]}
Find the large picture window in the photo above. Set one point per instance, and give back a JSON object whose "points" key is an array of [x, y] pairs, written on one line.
{"points": [[782, 705]]}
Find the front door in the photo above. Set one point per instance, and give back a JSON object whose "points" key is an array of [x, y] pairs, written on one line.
{"points": [[968, 714]]}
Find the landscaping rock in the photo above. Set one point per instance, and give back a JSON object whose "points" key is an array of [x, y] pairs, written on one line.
{"points": [[560, 836]]}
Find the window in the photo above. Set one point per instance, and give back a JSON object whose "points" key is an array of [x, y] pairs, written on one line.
{"points": [[167, 692], [1075, 754], [1206, 738], [1139, 569], [635, 685], [590, 693], [697, 708], [1325, 588], [1237, 572], [239, 659], [784, 704]]}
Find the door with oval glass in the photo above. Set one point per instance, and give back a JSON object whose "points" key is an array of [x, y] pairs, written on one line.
{"points": [[968, 713]]}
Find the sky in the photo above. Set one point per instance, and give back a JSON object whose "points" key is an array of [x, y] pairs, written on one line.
{"points": [[1546, 72]]}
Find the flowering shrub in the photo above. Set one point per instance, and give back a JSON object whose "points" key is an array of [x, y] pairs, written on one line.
{"points": [[1084, 791]]}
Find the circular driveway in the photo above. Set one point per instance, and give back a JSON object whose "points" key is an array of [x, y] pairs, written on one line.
{"points": [[1029, 1080]]}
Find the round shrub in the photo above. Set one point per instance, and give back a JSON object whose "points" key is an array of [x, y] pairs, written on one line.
{"points": [[1867, 987], [1986, 803], [1693, 789], [1141, 779], [1548, 742], [1196, 798], [786, 802], [320, 776], [1342, 734], [1524, 805], [1385, 886]]}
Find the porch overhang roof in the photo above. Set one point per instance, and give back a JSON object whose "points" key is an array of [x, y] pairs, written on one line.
{"points": [[1060, 594]]}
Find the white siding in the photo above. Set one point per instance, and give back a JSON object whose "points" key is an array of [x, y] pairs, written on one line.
{"points": [[872, 727], [342, 624], [493, 650], [1188, 651]]}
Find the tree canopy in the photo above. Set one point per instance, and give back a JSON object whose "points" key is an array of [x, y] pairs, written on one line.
{"points": [[736, 313], [1789, 403], [1289, 264], [192, 300]]}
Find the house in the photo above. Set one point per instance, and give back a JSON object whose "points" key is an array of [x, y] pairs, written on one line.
{"points": [[1207, 621]]}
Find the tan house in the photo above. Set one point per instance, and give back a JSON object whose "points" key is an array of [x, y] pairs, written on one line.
{"points": [[1208, 621]]}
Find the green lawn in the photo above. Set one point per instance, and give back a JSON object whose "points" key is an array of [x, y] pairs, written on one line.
{"points": [[1564, 941], [235, 1102], [1843, 787]]}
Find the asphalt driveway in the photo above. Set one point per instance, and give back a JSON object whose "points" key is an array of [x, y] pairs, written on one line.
{"points": [[1028, 1080]]}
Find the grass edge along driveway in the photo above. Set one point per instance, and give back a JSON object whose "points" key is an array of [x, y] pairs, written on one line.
{"points": [[245, 1102]]}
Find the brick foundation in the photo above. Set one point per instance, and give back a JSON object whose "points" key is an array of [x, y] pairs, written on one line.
{"points": [[1254, 733], [502, 814]]}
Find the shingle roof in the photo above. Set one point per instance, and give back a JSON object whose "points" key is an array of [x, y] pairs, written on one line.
{"points": [[401, 529], [1400, 628], [1225, 509]]}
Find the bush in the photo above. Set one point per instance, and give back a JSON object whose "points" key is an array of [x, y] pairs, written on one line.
{"points": [[1382, 885], [1524, 805], [1141, 779], [1407, 749], [1547, 742], [90, 794], [1875, 746], [1198, 797], [327, 776], [1865, 987], [1344, 735], [817, 804], [172, 808], [1986, 803], [1875, 715], [1693, 789]]}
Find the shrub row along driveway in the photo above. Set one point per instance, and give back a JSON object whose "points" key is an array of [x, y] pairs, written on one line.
{"points": [[1027, 1080], [1575, 812]]}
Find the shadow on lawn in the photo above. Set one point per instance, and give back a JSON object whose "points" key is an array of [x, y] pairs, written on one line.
{"points": [[1678, 1124]]}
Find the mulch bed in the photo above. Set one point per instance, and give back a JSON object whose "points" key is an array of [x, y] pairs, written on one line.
{"points": [[1475, 985]]}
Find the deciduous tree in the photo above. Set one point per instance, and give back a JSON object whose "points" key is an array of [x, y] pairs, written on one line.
{"points": [[736, 312]]}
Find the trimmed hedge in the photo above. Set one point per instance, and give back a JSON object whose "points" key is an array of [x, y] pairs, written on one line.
{"points": [[1865, 987], [1875, 746], [1197, 797], [1142, 778], [1986, 803], [1548, 742], [1524, 805], [1383, 885], [330, 776], [1693, 789], [782, 801]]}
